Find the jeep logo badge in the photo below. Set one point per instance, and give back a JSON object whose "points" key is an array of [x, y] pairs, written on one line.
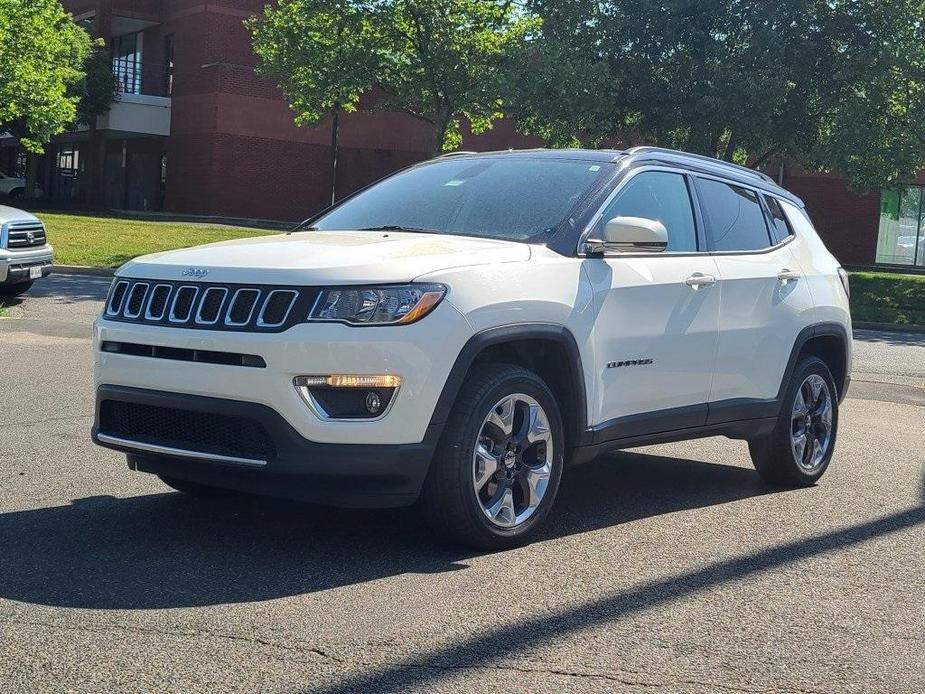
{"points": [[195, 272]]}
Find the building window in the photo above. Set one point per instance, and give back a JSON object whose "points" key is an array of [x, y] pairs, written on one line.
{"points": [[168, 64], [21, 165], [126, 62], [901, 240]]}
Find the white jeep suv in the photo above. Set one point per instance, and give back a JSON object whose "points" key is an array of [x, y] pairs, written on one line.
{"points": [[463, 330]]}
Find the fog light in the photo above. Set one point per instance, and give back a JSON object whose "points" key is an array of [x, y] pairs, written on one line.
{"points": [[348, 397]]}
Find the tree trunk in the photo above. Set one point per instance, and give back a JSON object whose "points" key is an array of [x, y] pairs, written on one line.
{"points": [[441, 123], [335, 146], [32, 174]]}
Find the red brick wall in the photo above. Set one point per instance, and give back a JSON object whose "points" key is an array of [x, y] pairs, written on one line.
{"points": [[848, 222]]}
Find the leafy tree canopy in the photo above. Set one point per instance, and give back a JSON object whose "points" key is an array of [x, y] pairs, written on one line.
{"points": [[836, 84], [41, 54], [439, 60]]}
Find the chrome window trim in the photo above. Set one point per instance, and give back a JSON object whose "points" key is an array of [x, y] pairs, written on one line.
{"points": [[198, 319], [234, 298], [128, 296], [179, 452], [109, 311], [266, 302], [582, 240], [171, 316], [148, 314]]}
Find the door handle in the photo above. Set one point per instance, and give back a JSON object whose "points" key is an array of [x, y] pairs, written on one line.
{"points": [[786, 275], [698, 280]]}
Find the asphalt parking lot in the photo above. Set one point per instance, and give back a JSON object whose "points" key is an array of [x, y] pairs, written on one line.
{"points": [[664, 569]]}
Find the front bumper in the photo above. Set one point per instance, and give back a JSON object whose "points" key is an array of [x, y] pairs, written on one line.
{"points": [[15, 266], [335, 474]]}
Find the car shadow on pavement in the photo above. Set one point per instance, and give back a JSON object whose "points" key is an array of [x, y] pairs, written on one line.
{"points": [[894, 339], [168, 550]]}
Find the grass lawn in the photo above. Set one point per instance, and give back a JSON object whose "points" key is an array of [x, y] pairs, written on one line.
{"points": [[109, 242], [881, 297]]}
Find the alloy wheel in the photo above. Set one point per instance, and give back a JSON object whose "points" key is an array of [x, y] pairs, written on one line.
{"points": [[811, 424], [513, 458]]}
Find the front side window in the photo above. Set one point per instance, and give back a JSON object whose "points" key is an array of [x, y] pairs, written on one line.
{"points": [[513, 198], [733, 216], [662, 196]]}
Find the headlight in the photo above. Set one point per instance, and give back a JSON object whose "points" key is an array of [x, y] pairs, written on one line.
{"points": [[389, 305]]}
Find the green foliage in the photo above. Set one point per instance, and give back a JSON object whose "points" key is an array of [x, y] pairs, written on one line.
{"points": [[439, 60], [836, 84], [881, 297], [99, 87], [41, 54]]}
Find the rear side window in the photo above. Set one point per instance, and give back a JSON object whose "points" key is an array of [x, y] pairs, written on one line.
{"points": [[780, 228], [733, 215], [662, 196]]}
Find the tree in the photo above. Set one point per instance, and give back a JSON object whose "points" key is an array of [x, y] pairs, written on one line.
{"points": [[98, 88], [41, 54], [743, 80], [438, 60]]}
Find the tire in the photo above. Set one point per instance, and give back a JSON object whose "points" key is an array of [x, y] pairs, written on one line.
{"points": [[461, 491], [194, 489], [777, 457], [10, 290], [16, 193]]}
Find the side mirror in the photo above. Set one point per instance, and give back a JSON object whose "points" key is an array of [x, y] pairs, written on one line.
{"points": [[633, 234]]}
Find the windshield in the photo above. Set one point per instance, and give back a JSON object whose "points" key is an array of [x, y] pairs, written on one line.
{"points": [[495, 197]]}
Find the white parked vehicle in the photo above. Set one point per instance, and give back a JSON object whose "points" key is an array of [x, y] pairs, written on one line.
{"points": [[462, 331], [14, 187], [25, 255]]}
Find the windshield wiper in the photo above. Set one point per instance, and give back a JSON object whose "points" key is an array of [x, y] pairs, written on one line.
{"points": [[398, 227]]}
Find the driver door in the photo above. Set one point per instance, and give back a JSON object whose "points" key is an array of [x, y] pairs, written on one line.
{"points": [[657, 316]]}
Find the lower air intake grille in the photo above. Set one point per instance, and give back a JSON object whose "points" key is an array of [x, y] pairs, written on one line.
{"points": [[202, 432]]}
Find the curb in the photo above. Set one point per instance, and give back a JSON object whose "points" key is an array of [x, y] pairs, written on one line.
{"points": [[82, 270], [890, 327]]}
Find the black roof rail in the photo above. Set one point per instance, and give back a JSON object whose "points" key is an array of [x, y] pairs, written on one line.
{"points": [[678, 156]]}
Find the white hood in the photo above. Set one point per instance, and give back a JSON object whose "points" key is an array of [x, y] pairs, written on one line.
{"points": [[325, 257], [11, 214]]}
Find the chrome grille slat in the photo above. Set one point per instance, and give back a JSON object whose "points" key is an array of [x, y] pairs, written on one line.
{"points": [[239, 296], [208, 305], [266, 304], [25, 235]]}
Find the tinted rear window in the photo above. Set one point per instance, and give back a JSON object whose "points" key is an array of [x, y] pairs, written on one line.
{"points": [[496, 197], [734, 219]]}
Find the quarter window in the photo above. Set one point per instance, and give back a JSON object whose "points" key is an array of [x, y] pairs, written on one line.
{"points": [[659, 195], [780, 229], [733, 215]]}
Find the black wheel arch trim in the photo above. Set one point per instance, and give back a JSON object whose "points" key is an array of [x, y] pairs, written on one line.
{"points": [[490, 337]]}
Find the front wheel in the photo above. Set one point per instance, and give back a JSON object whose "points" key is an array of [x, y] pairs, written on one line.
{"points": [[798, 452], [11, 290], [497, 468]]}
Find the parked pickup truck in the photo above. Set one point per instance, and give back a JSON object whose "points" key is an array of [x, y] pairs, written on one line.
{"points": [[25, 255]]}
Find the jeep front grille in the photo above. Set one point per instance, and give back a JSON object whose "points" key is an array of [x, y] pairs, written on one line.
{"points": [[25, 234], [208, 306]]}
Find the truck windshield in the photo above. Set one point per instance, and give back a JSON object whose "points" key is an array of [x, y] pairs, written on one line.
{"points": [[494, 197]]}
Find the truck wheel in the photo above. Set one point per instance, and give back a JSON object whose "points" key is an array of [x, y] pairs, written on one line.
{"points": [[496, 470], [799, 450], [9, 290]]}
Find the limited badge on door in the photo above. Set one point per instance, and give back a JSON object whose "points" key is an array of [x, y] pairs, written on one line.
{"points": [[35, 272]]}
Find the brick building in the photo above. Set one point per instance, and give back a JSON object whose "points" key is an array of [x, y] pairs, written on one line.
{"points": [[195, 131]]}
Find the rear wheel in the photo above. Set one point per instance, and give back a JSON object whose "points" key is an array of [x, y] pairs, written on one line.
{"points": [[10, 290], [496, 470], [17, 193], [798, 452]]}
